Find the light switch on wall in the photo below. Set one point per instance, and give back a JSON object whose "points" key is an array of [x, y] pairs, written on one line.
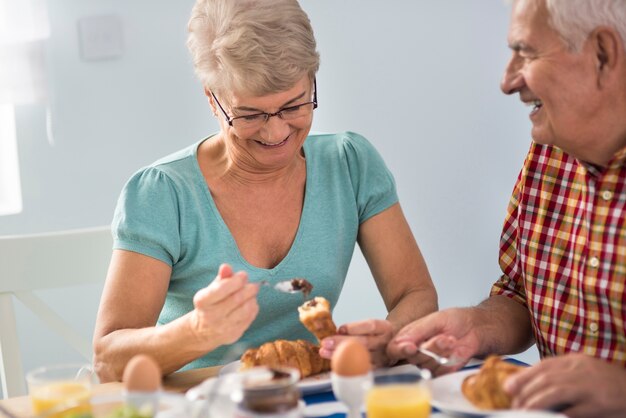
{"points": [[100, 37]]}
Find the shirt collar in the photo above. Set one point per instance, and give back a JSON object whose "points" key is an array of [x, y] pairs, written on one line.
{"points": [[617, 162]]}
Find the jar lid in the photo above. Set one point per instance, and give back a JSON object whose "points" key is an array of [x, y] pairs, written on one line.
{"points": [[265, 378]]}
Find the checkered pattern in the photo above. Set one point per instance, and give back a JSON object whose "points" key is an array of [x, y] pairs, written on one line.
{"points": [[563, 253]]}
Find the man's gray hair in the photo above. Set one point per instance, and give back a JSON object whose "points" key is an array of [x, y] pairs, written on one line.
{"points": [[574, 20]]}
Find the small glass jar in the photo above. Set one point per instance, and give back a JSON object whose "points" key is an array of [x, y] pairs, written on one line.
{"points": [[269, 393]]}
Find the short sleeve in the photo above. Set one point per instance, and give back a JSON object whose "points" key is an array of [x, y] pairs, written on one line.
{"points": [[373, 184], [511, 283], [146, 218]]}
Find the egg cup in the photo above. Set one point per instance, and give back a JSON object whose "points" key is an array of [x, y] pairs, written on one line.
{"points": [[351, 390], [147, 402]]}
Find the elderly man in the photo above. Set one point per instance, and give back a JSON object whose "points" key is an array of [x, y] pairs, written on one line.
{"points": [[563, 246]]}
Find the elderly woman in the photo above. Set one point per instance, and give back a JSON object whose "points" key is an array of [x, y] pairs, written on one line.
{"points": [[197, 231]]}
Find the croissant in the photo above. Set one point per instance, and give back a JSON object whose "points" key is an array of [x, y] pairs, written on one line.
{"points": [[300, 354], [484, 389], [316, 317]]}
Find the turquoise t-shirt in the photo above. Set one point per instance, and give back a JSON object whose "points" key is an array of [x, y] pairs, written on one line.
{"points": [[166, 211]]}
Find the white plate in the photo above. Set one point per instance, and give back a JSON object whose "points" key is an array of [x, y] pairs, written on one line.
{"points": [[313, 384], [447, 396]]}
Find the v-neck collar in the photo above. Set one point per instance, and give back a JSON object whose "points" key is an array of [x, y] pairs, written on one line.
{"points": [[226, 231]]}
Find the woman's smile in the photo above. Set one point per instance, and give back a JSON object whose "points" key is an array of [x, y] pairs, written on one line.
{"points": [[272, 144]]}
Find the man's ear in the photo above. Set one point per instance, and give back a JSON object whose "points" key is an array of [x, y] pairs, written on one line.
{"points": [[609, 52]]}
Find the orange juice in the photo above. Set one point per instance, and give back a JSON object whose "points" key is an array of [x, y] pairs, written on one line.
{"points": [[398, 401], [75, 394]]}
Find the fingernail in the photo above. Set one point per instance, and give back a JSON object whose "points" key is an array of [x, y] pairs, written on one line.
{"points": [[444, 343], [408, 350], [509, 385], [328, 344]]}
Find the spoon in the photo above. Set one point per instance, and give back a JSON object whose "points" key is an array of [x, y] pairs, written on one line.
{"points": [[441, 360], [291, 286]]}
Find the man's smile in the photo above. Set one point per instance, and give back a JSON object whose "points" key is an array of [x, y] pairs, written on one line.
{"points": [[536, 105]]}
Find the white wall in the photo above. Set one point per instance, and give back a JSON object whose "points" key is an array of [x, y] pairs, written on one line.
{"points": [[418, 78]]}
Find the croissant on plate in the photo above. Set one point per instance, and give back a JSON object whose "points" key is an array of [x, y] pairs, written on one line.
{"points": [[299, 354], [484, 389]]}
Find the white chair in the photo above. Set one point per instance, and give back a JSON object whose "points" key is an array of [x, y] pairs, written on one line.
{"points": [[45, 261]]}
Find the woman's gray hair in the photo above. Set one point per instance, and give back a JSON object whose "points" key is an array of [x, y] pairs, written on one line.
{"points": [[255, 47], [574, 20]]}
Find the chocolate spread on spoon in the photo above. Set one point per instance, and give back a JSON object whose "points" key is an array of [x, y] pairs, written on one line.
{"points": [[302, 284]]}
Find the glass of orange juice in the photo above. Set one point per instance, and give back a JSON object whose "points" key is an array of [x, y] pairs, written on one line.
{"points": [[61, 390], [400, 394]]}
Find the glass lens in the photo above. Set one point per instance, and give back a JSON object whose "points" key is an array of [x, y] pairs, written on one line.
{"points": [[249, 121], [258, 119], [296, 111]]}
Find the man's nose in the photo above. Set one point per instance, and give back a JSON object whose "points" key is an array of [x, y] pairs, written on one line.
{"points": [[512, 79]]}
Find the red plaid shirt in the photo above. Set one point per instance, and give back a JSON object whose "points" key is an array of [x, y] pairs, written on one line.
{"points": [[563, 253]]}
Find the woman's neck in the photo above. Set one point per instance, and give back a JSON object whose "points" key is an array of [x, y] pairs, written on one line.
{"points": [[222, 165]]}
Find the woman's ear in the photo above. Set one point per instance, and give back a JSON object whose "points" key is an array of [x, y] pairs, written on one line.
{"points": [[209, 96], [609, 53]]}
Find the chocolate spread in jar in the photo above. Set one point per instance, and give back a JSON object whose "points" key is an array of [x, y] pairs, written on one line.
{"points": [[278, 394]]}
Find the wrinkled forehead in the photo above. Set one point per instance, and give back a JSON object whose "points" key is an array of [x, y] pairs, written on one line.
{"points": [[529, 19], [243, 91], [299, 90]]}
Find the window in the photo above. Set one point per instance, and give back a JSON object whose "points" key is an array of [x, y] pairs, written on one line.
{"points": [[10, 190], [23, 30]]}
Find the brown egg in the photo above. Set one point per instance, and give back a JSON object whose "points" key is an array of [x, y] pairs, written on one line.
{"points": [[351, 358], [142, 374]]}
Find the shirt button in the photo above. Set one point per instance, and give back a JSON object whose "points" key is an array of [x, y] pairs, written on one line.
{"points": [[594, 262], [607, 195], [593, 327]]}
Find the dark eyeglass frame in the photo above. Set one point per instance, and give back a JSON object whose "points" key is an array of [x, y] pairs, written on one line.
{"points": [[267, 115]]}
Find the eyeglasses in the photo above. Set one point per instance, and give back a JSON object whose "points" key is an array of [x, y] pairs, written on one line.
{"points": [[256, 120]]}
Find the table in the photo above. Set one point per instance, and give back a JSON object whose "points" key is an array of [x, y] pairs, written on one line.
{"points": [[178, 382]]}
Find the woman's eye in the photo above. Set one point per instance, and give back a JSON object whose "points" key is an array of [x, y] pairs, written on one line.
{"points": [[292, 109], [252, 118]]}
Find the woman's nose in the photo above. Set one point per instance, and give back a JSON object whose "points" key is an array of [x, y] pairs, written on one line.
{"points": [[275, 129]]}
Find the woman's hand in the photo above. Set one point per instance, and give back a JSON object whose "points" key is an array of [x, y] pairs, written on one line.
{"points": [[224, 309], [577, 385], [373, 333]]}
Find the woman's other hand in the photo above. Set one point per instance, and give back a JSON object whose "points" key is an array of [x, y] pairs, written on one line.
{"points": [[373, 333], [224, 310]]}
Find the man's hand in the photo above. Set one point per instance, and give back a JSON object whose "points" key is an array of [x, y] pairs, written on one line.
{"points": [[447, 333], [577, 385]]}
